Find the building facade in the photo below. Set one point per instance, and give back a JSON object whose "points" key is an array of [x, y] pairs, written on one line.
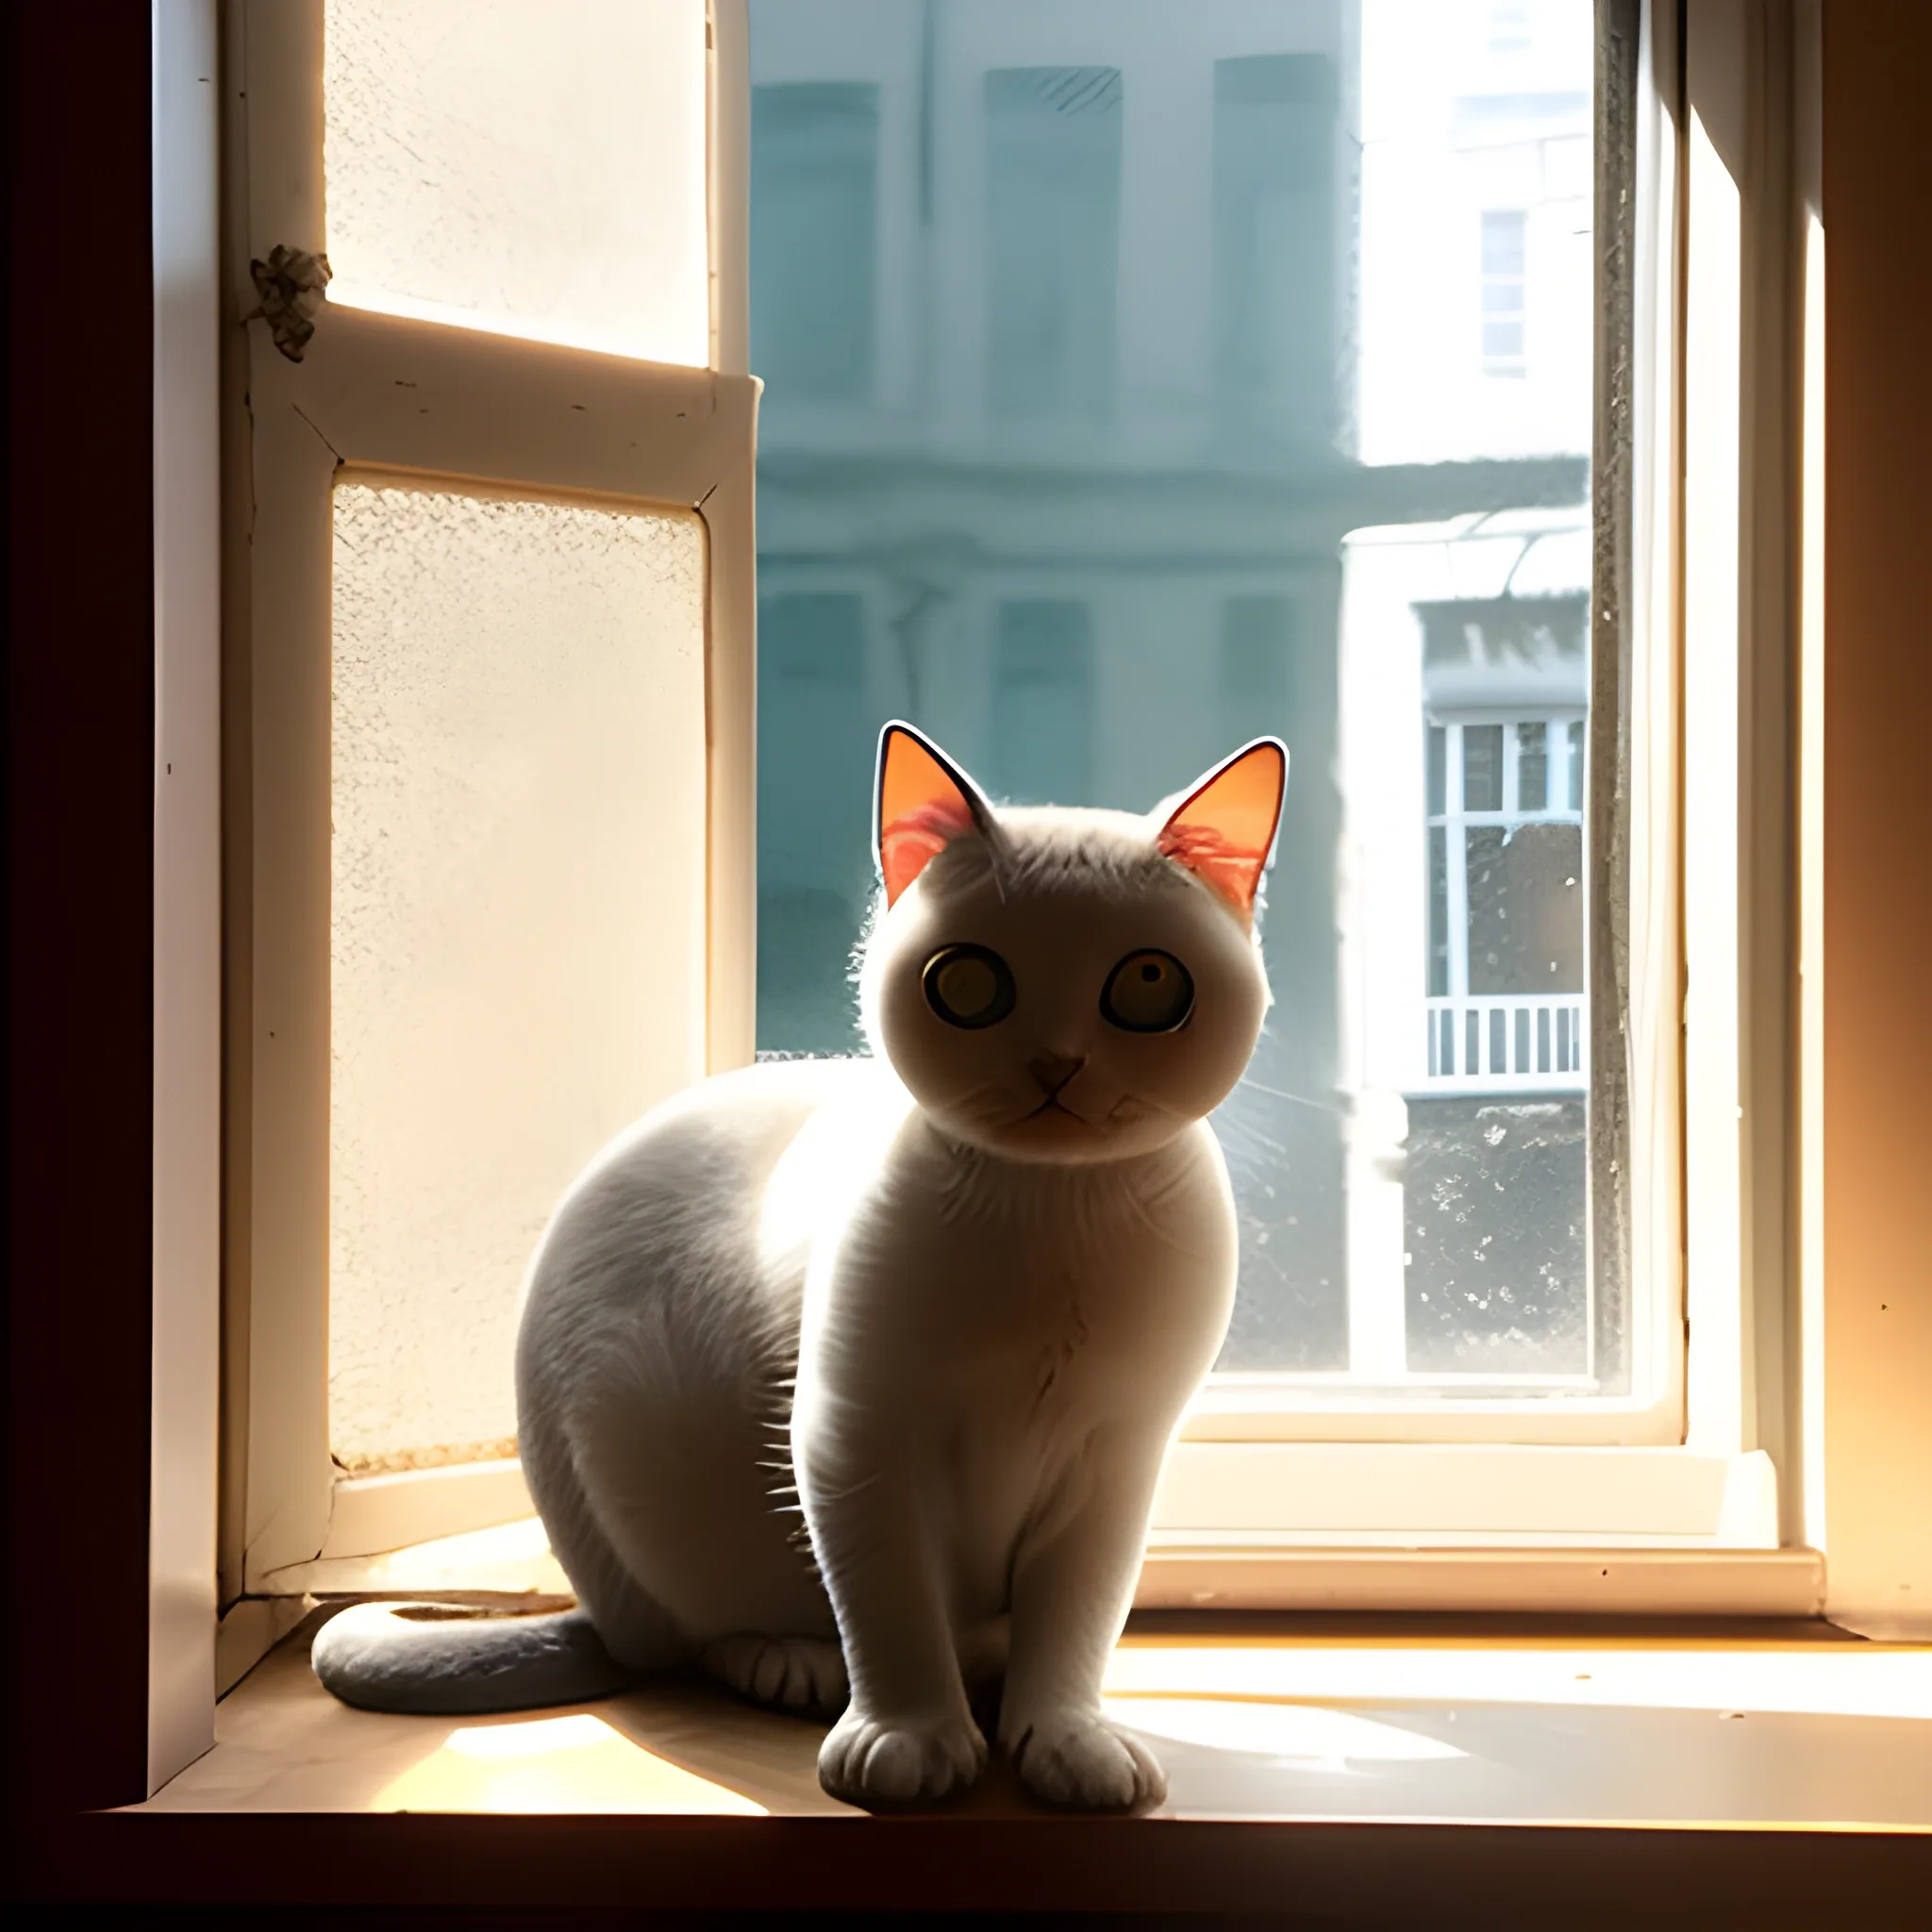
{"points": [[1141, 378]]}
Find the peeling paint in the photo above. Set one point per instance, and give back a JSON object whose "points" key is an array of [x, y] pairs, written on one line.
{"points": [[290, 285]]}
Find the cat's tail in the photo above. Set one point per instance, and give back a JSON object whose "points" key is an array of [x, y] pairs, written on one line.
{"points": [[449, 1661]]}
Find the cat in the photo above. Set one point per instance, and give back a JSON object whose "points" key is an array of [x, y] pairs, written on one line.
{"points": [[852, 1380]]}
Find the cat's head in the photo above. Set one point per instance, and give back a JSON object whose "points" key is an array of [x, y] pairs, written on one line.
{"points": [[1067, 986]]}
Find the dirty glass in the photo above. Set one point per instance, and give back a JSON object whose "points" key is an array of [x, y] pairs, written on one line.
{"points": [[1143, 377]]}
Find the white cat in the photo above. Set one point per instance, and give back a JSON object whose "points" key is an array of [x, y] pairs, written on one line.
{"points": [[998, 1258]]}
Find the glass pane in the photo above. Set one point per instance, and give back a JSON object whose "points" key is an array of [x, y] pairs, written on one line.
{"points": [[815, 237], [530, 167], [1502, 340], [1439, 912], [1482, 768], [1167, 424], [1497, 1280], [1525, 908], [1043, 700], [1532, 766], [518, 918], [1502, 244], [1053, 185]]}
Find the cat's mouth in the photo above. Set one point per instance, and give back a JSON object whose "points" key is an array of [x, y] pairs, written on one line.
{"points": [[1051, 1105]]}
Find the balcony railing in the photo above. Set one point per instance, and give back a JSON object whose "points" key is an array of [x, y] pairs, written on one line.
{"points": [[1508, 1046]]}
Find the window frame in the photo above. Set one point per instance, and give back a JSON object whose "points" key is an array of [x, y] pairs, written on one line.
{"points": [[1692, 1506], [503, 411], [83, 986]]}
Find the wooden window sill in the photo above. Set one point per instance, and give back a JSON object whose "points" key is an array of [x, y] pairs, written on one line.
{"points": [[1397, 1769]]}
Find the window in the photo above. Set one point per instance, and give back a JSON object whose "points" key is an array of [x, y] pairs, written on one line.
{"points": [[816, 777], [1280, 221], [815, 217], [1078, 624], [491, 621], [1053, 190], [1120, 406], [1503, 251], [1042, 698]]}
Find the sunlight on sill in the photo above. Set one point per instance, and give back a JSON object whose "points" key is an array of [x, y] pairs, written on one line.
{"points": [[567, 1764], [1869, 1680]]}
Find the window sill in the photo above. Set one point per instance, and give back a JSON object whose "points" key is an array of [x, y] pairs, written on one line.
{"points": [[1418, 1765], [1282, 1504]]}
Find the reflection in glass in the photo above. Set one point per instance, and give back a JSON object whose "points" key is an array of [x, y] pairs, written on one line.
{"points": [[1176, 425], [815, 148], [1482, 768], [1053, 187], [1532, 766], [1525, 908], [1042, 701]]}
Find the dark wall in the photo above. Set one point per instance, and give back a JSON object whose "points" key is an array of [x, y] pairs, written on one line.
{"points": [[80, 745]]}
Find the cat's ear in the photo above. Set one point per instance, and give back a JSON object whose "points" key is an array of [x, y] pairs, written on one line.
{"points": [[923, 801], [1222, 830]]}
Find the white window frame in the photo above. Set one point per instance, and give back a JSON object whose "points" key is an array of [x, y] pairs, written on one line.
{"points": [[1693, 1486], [1274, 1494], [503, 410]]}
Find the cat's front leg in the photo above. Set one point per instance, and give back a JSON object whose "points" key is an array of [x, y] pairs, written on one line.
{"points": [[908, 1735], [1073, 1580]]}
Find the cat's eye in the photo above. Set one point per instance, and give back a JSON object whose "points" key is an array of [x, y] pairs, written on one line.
{"points": [[1148, 993], [968, 986]]}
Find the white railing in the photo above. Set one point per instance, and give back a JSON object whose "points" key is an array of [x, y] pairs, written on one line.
{"points": [[1508, 1046]]}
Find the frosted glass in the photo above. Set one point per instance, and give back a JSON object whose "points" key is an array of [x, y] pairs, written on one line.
{"points": [[530, 167], [517, 924]]}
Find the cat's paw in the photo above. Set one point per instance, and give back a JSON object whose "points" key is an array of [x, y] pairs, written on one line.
{"points": [[793, 1672], [892, 1761], [1078, 1759]]}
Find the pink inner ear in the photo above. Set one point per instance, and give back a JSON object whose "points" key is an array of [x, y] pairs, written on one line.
{"points": [[910, 842], [1234, 871], [1224, 830]]}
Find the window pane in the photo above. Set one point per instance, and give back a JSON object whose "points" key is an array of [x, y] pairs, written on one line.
{"points": [[1497, 1280], [1043, 700], [815, 148], [1277, 278], [815, 778], [1502, 340], [1525, 908], [1532, 766], [1439, 914], [518, 918], [1177, 430], [1502, 244], [1053, 185], [1256, 655], [1482, 768], [530, 167]]}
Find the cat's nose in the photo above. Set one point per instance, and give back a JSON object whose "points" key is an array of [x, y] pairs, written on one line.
{"points": [[1053, 1070]]}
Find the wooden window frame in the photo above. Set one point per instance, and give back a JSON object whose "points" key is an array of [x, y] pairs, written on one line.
{"points": [[375, 392]]}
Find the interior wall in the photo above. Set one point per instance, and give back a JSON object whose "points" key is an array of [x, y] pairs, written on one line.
{"points": [[1878, 816], [80, 730]]}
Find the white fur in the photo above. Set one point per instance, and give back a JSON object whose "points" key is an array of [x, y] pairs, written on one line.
{"points": [[995, 1308]]}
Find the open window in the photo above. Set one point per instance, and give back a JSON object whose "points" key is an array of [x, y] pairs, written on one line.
{"points": [[1137, 380], [490, 523]]}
